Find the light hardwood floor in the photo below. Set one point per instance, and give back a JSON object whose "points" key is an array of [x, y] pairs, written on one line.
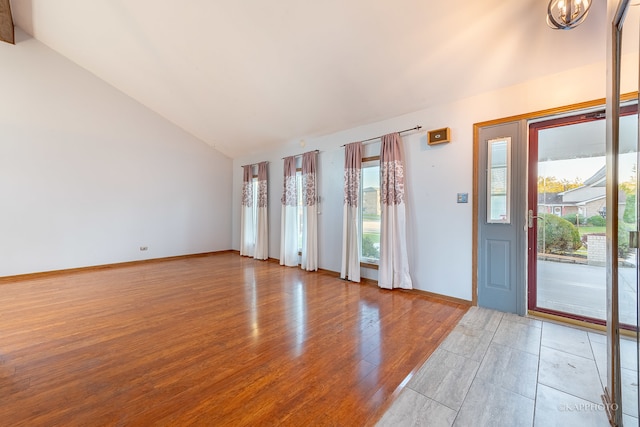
{"points": [[213, 340]]}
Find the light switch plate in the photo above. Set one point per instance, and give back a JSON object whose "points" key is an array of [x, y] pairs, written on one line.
{"points": [[463, 197]]}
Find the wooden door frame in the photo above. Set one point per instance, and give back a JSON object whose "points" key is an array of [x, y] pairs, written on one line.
{"points": [[549, 113]]}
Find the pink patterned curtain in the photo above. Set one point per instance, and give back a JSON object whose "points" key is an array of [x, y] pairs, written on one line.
{"points": [[289, 215], [247, 188], [247, 230], [289, 193], [262, 184], [262, 223], [350, 236], [394, 264], [309, 178], [309, 259]]}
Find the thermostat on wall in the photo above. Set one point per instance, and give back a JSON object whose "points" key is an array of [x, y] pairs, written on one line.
{"points": [[438, 136]]}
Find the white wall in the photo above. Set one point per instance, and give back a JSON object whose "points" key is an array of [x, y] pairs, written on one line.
{"points": [[440, 230], [88, 175]]}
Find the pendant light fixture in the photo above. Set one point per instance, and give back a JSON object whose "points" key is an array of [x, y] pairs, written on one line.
{"points": [[567, 14]]}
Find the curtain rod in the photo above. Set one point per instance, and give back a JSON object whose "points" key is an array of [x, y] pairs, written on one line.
{"points": [[253, 164], [418, 127], [298, 155]]}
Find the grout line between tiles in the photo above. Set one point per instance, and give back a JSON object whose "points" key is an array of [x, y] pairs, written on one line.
{"points": [[535, 397], [571, 354], [593, 353]]}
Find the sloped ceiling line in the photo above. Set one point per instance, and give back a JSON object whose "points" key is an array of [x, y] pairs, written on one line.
{"points": [[252, 76]]}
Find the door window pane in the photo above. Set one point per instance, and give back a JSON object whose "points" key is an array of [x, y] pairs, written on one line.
{"points": [[571, 224], [499, 155]]}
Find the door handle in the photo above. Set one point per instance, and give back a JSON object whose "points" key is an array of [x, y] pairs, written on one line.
{"points": [[531, 218]]}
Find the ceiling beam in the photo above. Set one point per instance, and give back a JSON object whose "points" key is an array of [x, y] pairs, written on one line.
{"points": [[6, 22]]}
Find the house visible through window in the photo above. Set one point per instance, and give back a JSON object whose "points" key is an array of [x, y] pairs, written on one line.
{"points": [[370, 210]]}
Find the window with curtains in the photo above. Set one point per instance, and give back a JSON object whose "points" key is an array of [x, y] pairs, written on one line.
{"points": [[254, 232], [299, 222], [371, 237], [370, 210]]}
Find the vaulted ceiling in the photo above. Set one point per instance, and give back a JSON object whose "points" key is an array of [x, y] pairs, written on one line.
{"points": [[248, 75]]}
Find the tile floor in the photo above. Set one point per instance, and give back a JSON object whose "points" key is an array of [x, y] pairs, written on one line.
{"points": [[499, 369]]}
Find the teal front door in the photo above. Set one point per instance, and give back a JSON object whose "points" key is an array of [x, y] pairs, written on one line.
{"points": [[501, 217]]}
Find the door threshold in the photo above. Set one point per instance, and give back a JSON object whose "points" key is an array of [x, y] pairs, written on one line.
{"points": [[578, 323]]}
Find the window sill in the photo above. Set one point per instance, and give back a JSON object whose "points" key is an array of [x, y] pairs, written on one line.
{"points": [[368, 265]]}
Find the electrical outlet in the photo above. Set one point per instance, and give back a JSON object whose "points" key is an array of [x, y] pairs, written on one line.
{"points": [[144, 248]]}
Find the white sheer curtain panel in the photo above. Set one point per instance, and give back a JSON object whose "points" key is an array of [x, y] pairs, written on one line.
{"points": [[247, 221], [393, 270], [289, 217], [309, 259], [262, 223], [350, 224]]}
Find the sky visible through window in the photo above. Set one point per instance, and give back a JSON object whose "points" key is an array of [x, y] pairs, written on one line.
{"points": [[371, 180], [585, 168]]}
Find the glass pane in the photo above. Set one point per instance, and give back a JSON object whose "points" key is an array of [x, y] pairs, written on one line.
{"points": [[300, 208], [370, 212], [628, 222], [571, 272], [627, 191], [254, 185], [628, 262], [499, 155]]}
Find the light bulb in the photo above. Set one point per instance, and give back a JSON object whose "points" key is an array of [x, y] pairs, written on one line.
{"points": [[567, 14]]}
